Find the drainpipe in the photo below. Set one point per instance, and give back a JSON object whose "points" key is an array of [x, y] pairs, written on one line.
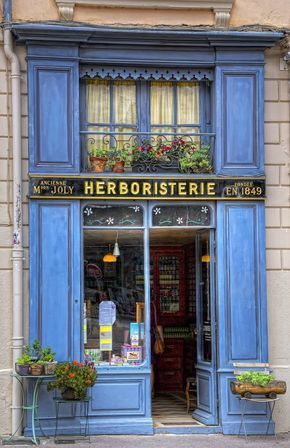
{"points": [[17, 248]]}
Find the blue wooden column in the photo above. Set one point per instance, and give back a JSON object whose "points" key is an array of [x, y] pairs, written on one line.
{"points": [[241, 290], [241, 305]]}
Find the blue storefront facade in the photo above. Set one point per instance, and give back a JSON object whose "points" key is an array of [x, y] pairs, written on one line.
{"points": [[228, 67]]}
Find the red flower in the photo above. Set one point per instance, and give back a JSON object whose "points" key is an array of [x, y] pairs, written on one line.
{"points": [[71, 375], [89, 382], [75, 363]]}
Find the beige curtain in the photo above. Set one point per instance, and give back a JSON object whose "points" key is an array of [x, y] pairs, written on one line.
{"points": [[98, 109], [162, 105], [187, 103], [125, 109]]}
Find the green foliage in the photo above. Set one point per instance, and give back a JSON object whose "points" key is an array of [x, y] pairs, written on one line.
{"points": [[74, 375], [98, 152], [36, 349], [24, 359], [47, 355], [195, 159], [121, 155], [34, 353], [255, 378]]}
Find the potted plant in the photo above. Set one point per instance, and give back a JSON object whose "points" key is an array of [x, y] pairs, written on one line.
{"points": [[195, 159], [119, 158], [73, 379], [48, 361], [22, 365], [257, 383], [98, 159], [36, 367]]}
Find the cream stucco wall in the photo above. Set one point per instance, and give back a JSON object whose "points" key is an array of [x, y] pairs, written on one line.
{"points": [[244, 12], [6, 228], [277, 159]]}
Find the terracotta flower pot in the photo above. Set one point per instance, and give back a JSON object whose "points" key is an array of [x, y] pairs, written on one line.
{"points": [[98, 164], [119, 166], [36, 369], [248, 389]]}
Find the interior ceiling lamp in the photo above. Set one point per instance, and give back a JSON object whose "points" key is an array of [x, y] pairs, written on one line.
{"points": [[109, 257], [116, 252], [206, 257]]}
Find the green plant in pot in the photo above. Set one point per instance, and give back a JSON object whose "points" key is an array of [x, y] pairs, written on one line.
{"points": [[98, 159], [257, 383], [48, 361], [22, 365], [195, 159], [73, 379], [119, 158], [36, 367]]}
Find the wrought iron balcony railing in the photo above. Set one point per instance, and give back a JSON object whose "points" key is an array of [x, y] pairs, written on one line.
{"points": [[147, 152]]}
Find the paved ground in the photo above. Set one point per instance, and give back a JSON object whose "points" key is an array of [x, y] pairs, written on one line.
{"points": [[175, 441]]}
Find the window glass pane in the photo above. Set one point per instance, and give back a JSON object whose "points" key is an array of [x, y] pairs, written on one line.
{"points": [[114, 323], [161, 104], [113, 215], [187, 103], [98, 101], [124, 102], [181, 215]]}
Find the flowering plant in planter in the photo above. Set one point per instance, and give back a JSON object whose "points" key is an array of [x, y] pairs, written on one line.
{"points": [[147, 151], [74, 377], [195, 158]]}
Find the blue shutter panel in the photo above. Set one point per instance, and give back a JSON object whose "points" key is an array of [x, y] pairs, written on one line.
{"points": [[54, 116], [55, 276], [239, 121]]}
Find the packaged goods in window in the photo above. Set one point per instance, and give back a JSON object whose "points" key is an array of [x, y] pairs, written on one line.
{"points": [[132, 354], [134, 333]]}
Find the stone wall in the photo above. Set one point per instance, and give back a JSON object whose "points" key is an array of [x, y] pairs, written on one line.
{"points": [[6, 217], [244, 12], [277, 158]]}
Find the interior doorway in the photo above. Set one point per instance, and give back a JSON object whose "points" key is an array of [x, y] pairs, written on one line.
{"points": [[181, 312]]}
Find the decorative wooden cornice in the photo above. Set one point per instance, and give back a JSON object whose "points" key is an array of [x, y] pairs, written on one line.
{"points": [[221, 8]]}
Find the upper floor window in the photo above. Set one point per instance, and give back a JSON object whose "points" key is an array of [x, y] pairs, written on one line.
{"points": [[150, 126]]}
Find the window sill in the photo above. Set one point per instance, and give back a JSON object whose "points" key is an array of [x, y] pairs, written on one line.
{"points": [[221, 8]]}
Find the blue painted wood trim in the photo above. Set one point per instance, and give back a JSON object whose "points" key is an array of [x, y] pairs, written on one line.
{"points": [[55, 276], [53, 105], [43, 32], [239, 114], [241, 302]]}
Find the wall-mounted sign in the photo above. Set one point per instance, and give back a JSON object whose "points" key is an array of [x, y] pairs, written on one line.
{"points": [[147, 188]]}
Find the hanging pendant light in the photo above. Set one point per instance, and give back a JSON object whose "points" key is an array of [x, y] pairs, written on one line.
{"points": [[109, 257], [116, 252]]}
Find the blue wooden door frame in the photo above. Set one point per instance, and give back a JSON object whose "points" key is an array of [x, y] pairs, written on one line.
{"points": [[206, 410]]}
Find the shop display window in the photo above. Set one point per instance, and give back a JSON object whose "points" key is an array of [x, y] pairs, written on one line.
{"points": [[114, 311]]}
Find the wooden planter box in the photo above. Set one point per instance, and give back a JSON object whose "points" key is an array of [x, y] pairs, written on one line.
{"points": [[271, 390]]}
